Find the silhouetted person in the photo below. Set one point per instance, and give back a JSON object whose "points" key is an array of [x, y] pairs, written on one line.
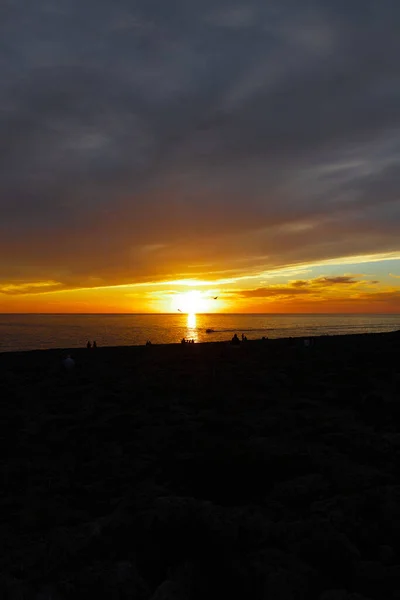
{"points": [[88, 345], [235, 340], [68, 363], [94, 344], [148, 343], [183, 341]]}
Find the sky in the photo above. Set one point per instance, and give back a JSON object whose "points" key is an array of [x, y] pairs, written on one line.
{"points": [[156, 155]]}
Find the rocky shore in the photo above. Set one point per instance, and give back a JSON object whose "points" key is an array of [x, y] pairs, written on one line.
{"points": [[268, 471]]}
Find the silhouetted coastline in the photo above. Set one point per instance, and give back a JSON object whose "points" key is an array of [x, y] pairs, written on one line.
{"points": [[206, 470]]}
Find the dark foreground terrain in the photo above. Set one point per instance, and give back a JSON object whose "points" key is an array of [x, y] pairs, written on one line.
{"points": [[268, 471]]}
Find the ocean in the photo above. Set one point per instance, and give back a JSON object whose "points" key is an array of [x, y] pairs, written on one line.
{"points": [[35, 331]]}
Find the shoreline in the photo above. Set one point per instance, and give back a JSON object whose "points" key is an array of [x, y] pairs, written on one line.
{"points": [[265, 470], [269, 341]]}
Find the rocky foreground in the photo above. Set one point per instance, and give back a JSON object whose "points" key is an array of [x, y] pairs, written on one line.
{"points": [[268, 471]]}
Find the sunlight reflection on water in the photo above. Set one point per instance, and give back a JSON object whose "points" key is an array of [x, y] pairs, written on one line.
{"points": [[27, 332], [192, 327]]}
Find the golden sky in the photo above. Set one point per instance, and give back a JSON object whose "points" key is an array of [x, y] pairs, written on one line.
{"points": [[372, 286]]}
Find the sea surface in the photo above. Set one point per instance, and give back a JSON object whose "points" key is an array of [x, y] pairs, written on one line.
{"points": [[31, 332]]}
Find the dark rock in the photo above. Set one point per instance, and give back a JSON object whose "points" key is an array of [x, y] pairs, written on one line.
{"points": [[47, 592], [331, 553], [168, 590], [334, 595], [341, 595], [292, 579], [279, 586], [375, 579], [386, 554]]}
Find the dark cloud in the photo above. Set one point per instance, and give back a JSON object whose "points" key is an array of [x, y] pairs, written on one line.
{"points": [[301, 283], [367, 301], [340, 280], [209, 130], [328, 281], [20, 288], [313, 287], [273, 291]]}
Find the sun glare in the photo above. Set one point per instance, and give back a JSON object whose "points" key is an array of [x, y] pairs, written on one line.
{"points": [[191, 321], [191, 302]]}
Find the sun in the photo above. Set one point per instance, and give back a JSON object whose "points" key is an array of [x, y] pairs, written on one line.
{"points": [[191, 302]]}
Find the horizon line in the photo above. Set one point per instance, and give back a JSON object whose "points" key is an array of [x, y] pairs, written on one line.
{"points": [[199, 313]]}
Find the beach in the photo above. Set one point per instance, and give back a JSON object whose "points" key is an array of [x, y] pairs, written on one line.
{"points": [[268, 470]]}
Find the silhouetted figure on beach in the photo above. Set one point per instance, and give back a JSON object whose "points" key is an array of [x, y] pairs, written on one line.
{"points": [[95, 344], [235, 340], [244, 338], [183, 341], [148, 343], [88, 345], [68, 363]]}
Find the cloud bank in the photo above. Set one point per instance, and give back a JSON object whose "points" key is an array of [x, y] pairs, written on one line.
{"points": [[142, 142]]}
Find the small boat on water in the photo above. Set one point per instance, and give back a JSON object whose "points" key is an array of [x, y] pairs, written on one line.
{"points": [[210, 330]]}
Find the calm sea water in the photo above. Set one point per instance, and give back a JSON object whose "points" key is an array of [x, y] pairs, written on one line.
{"points": [[30, 332]]}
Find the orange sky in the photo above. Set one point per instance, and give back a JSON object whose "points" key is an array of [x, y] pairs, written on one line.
{"points": [[370, 285]]}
